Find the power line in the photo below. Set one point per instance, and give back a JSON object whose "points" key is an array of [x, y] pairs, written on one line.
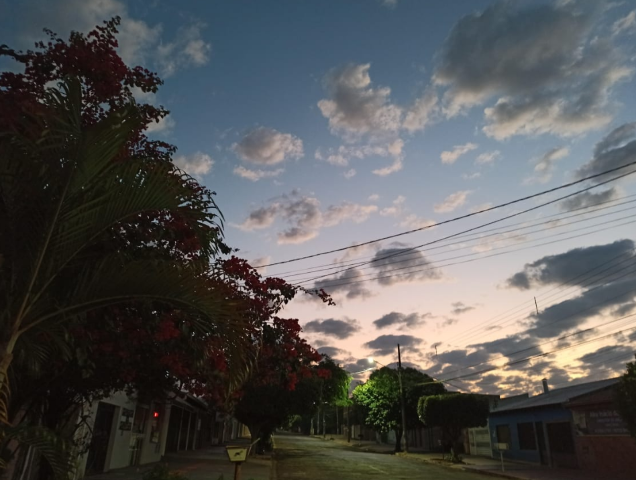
{"points": [[529, 197], [382, 277], [468, 244], [402, 252], [544, 220], [584, 282], [543, 354]]}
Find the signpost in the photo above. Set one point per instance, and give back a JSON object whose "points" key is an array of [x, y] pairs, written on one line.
{"points": [[502, 447], [237, 454]]}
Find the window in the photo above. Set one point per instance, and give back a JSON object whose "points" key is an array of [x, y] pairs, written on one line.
{"points": [[527, 440], [503, 434]]}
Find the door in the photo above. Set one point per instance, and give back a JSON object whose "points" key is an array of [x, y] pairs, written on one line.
{"points": [[543, 452], [561, 445], [98, 449]]}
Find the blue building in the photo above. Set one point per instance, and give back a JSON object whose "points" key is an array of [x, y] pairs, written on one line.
{"points": [[539, 429]]}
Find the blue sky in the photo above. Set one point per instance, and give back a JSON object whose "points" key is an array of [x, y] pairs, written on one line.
{"points": [[323, 124]]}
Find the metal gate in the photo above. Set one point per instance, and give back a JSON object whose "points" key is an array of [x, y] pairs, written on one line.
{"points": [[479, 439]]}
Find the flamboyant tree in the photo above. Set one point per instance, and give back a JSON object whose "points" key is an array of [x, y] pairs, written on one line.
{"points": [[379, 399]]}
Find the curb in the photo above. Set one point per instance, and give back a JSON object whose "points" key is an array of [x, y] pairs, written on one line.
{"points": [[492, 473]]}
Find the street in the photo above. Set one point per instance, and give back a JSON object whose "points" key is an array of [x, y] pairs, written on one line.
{"points": [[308, 458]]}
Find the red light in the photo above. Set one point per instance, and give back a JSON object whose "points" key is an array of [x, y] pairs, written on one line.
{"points": [[156, 414]]}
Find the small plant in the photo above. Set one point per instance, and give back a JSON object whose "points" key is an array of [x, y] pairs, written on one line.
{"points": [[162, 472]]}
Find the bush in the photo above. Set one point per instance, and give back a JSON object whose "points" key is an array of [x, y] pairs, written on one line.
{"points": [[162, 472]]}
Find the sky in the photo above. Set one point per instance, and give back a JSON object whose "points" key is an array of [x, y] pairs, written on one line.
{"points": [[325, 124]]}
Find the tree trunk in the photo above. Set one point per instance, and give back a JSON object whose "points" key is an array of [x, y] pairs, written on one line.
{"points": [[398, 438]]}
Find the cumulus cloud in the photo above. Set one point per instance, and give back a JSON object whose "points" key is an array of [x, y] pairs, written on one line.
{"points": [[487, 157], [545, 64], [348, 283], [544, 166], [387, 344], [422, 113], [186, 50], [197, 164], [139, 41], [165, 124], [602, 293], [333, 352], [452, 202], [588, 199], [266, 146], [568, 267], [451, 156], [256, 175], [334, 328], [413, 222], [617, 148], [460, 307], [349, 173], [354, 106], [397, 319], [395, 209], [400, 264], [344, 154], [304, 216]]}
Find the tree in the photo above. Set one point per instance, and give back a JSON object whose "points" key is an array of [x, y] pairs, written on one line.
{"points": [[453, 412], [379, 399], [626, 397]]}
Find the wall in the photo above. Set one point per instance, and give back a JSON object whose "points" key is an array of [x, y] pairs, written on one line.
{"points": [[512, 418], [609, 454]]}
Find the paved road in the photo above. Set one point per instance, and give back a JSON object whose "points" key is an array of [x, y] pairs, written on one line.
{"points": [[306, 458]]}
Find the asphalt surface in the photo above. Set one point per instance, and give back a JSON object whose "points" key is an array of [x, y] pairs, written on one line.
{"points": [[306, 458]]}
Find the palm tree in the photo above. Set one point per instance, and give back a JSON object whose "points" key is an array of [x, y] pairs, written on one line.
{"points": [[65, 191]]}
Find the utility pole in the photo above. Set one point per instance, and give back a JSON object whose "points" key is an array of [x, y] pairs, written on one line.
{"points": [[403, 441]]}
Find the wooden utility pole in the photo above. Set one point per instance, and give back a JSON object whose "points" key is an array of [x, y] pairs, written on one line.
{"points": [[535, 305], [403, 441]]}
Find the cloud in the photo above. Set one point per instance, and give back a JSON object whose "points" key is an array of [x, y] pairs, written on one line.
{"points": [[400, 264], [451, 156], [304, 216], [617, 148], [422, 113], [460, 307], [602, 293], [256, 175], [165, 124], [471, 176], [511, 346], [139, 42], [452, 202], [396, 208], [626, 24], [574, 312], [544, 166], [344, 154], [387, 344], [413, 222], [374, 198], [568, 267], [333, 352], [389, 3], [487, 157], [197, 164], [334, 328], [480, 207], [266, 146], [347, 283], [402, 320], [588, 199], [354, 106], [188, 49], [545, 64], [349, 174]]}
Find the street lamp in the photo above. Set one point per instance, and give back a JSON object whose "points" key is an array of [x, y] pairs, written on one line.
{"points": [[403, 442]]}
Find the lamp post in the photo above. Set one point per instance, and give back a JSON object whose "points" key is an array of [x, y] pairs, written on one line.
{"points": [[403, 442]]}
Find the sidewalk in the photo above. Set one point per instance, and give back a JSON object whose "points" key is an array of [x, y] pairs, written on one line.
{"points": [[205, 464]]}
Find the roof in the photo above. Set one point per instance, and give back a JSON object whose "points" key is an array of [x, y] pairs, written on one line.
{"points": [[557, 396]]}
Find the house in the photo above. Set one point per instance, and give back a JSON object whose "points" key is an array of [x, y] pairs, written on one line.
{"points": [[540, 429], [123, 431], [602, 440]]}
